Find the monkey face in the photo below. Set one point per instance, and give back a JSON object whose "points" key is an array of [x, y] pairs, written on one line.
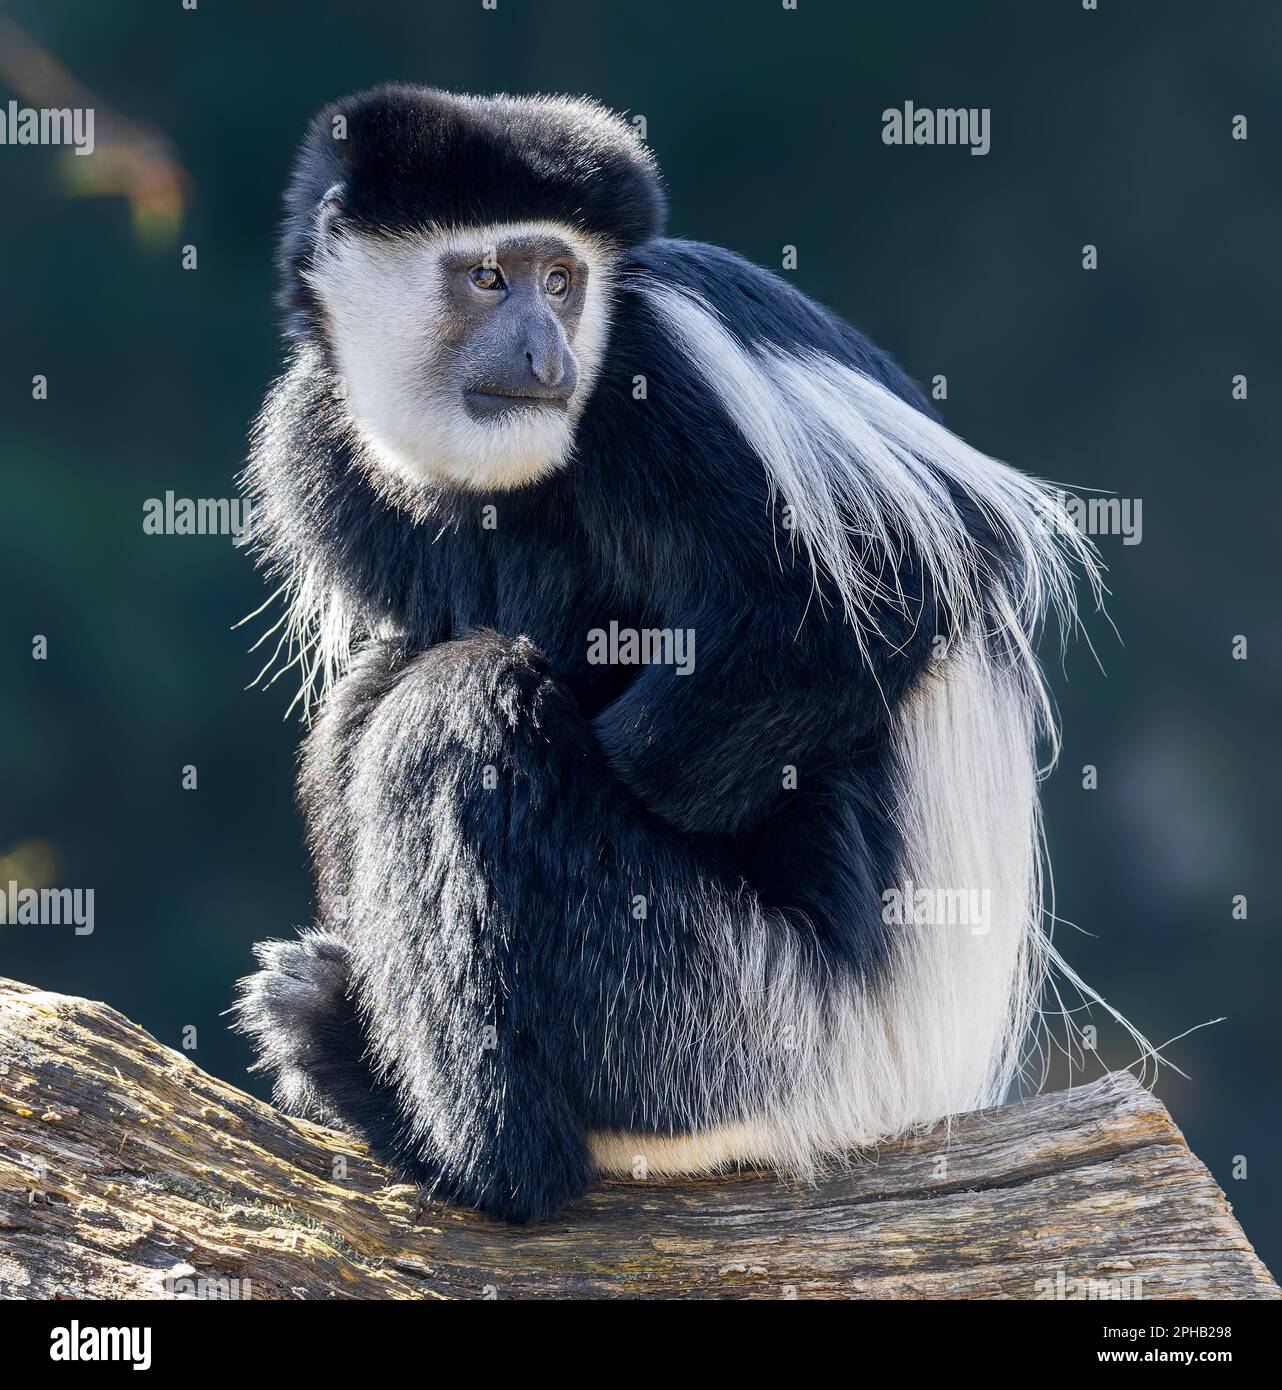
{"points": [[513, 316], [466, 356]]}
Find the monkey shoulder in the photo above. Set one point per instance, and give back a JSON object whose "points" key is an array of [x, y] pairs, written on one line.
{"points": [[762, 309], [665, 472]]}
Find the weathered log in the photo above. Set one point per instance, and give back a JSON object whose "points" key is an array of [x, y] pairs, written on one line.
{"points": [[127, 1172]]}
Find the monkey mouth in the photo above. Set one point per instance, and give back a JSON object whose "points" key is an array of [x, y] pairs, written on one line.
{"points": [[490, 403]]}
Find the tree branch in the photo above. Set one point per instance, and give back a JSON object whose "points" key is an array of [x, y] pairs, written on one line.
{"points": [[127, 1172]]}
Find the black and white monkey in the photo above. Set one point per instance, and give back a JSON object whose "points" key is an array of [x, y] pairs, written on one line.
{"points": [[582, 916]]}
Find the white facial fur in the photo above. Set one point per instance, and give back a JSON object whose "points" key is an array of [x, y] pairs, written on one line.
{"points": [[382, 299]]}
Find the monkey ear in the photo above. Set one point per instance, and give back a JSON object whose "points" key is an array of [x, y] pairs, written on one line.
{"points": [[328, 210]]}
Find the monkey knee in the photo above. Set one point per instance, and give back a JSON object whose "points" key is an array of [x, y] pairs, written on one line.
{"points": [[483, 700], [486, 673]]}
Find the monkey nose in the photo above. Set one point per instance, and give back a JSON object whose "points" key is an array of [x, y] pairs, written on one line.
{"points": [[547, 363]]}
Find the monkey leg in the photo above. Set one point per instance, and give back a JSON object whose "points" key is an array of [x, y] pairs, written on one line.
{"points": [[300, 1008], [538, 957]]}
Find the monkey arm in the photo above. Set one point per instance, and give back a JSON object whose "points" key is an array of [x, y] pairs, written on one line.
{"points": [[766, 706]]}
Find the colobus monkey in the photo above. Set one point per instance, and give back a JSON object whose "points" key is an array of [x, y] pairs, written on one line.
{"points": [[583, 907]]}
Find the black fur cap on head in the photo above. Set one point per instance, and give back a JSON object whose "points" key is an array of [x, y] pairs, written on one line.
{"points": [[414, 156]]}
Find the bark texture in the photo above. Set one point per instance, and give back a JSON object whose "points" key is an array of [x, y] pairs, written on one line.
{"points": [[127, 1172]]}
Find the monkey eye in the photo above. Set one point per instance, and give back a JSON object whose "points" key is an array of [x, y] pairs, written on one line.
{"points": [[485, 277], [557, 283]]}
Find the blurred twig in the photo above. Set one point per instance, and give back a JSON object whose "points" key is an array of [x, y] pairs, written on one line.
{"points": [[130, 160]]}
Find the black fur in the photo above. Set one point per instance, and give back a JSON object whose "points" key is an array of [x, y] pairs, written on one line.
{"points": [[466, 909]]}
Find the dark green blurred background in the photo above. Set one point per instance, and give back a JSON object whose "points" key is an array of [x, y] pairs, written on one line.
{"points": [[1110, 127]]}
